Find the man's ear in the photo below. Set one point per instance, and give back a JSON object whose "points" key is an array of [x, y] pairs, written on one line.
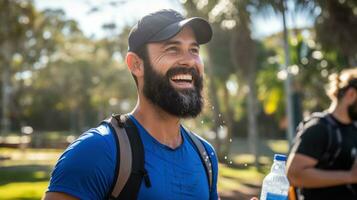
{"points": [[135, 64]]}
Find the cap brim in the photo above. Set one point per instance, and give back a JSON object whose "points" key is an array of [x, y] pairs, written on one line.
{"points": [[200, 27]]}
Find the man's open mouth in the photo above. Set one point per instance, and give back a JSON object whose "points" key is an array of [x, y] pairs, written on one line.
{"points": [[182, 80]]}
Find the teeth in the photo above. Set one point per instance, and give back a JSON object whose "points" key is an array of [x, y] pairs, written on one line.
{"points": [[186, 77]]}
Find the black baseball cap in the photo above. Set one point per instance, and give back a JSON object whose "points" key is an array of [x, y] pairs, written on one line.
{"points": [[165, 24]]}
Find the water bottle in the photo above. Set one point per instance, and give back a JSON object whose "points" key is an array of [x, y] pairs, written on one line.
{"points": [[276, 184]]}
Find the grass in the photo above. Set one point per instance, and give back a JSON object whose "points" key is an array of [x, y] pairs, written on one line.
{"points": [[239, 178], [280, 146], [23, 190], [24, 175]]}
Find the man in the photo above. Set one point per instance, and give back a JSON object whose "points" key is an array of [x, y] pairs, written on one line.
{"points": [[164, 59], [307, 167]]}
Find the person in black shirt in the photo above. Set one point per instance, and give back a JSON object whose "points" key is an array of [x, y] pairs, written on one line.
{"points": [[305, 168]]}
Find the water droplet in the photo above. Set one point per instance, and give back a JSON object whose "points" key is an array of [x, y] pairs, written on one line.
{"points": [[224, 122], [202, 122], [225, 157], [230, 162], [219, 115], [245, 165], [212, 107], [230, 139], [212, 153]]}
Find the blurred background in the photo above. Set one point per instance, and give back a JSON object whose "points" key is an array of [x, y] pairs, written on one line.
{"points": [[62, 71]]}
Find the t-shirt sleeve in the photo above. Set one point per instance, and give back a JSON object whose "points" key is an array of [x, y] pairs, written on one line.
{"points": [[312, 142], [85, 169]]}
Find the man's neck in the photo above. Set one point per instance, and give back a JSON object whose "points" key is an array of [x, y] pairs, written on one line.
{"points": [[340, 113], [163, 126]]}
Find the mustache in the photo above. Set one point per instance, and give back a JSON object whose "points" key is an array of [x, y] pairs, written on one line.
{"points": [[183, 70]]}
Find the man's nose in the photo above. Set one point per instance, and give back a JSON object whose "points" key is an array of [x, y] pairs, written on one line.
{"points": [[188, 60]]}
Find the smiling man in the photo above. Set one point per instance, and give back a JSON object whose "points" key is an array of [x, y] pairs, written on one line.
{"points": [[164, 59]]}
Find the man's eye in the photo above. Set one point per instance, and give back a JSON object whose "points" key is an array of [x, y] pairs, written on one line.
{"points": [[172, 49], [195, 50]]}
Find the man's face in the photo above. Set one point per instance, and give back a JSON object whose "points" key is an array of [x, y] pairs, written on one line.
{"points": [[352, 109], [173, 75]]}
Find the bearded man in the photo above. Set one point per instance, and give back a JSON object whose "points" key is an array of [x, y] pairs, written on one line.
{"points": [[322, 162], [164, 59]]}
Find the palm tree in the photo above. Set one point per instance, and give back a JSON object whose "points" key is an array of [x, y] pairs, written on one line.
{"points": [[340, 18], [242, 55]]}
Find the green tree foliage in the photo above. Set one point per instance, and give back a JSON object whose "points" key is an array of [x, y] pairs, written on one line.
{"points": [[339, 18], [59, 79], [62, 80], [16, 23]]}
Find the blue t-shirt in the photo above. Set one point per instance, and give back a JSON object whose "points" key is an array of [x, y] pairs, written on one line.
{"points": [[86, 168]]}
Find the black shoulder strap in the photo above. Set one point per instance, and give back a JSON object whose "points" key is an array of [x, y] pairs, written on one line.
{"points": [[334, 136], [124, 166], [334, 141], [311, 119], [130, 161], [203, 155]]}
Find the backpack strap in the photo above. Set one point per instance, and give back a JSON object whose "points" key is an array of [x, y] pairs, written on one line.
{"points": [[125, 151], [130, 160], [338, 147], [313, 118], [334, 141], [334, 136], [203, 155]]}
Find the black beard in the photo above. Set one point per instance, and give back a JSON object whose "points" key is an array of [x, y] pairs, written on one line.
{"points": [[182, 103], [352, 111]]}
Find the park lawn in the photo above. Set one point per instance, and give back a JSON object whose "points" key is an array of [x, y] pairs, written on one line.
{"points": [[25, 175], [30, 182], [23, 190], [233, 178]]}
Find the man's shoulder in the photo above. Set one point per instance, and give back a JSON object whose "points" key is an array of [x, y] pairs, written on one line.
{"points": [[209, 148], [207, 145], [314, 125], [99, 136], [85, 169], [92, 145]]}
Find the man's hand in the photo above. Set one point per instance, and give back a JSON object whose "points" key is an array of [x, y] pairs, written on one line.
{"points": [[58, 196]]}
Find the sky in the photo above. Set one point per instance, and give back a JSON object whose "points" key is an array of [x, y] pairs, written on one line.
{"points": [[128, 12]]}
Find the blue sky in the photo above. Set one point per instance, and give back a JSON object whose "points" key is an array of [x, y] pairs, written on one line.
{"points": [[129, 11]]}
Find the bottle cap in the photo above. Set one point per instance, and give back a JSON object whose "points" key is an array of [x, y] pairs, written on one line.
{"points": [[280, 157]]}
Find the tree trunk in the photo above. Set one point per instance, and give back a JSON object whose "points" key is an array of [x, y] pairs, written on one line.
{"points": [[216, 112], [244, 54], [6, 89], [229, 119], [252, 119]]}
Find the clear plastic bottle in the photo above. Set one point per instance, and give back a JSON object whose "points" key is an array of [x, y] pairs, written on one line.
{"points": [[276, 184]]}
